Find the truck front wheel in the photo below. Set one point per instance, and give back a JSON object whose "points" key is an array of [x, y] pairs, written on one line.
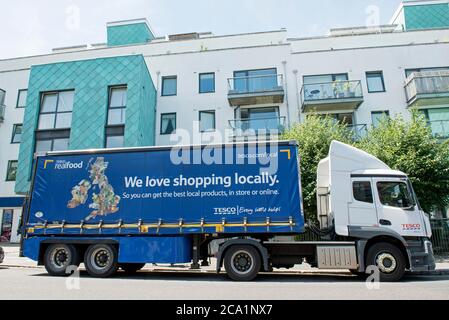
{"points": [[242, 263], [388, 259], [101, 260], [59, 257]]}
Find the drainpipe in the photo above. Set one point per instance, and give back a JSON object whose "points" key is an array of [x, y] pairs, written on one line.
{"points": [[298, 102], [284, 63], [158, 76]]}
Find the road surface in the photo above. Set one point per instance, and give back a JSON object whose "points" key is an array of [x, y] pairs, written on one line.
{"points": [[34, 283]]}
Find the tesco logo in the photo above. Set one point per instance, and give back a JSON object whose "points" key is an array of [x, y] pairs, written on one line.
{"points": [[225, 211], [411, 227]]}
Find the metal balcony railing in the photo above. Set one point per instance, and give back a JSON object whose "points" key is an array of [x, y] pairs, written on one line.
{"points": [[256, 84], [427, 84], [440, 128], [332, 91], [263, 126], [2, 113]]}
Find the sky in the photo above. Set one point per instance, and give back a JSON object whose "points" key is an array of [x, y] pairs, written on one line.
{"points": [[31, 27]]}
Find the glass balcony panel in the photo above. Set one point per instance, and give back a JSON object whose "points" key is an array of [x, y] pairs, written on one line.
{"points": [[332, 90]]}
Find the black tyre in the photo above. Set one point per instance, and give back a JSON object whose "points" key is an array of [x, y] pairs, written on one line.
{"points": [[242, 263], [101, 260], [59, 257], [131, 267], [388, 259]]}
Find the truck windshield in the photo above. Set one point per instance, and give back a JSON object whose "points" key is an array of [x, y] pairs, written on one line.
{"points": [[395, 194]]}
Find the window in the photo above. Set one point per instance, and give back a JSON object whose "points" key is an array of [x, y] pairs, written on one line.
{"points": [[255, 80], [11, 170], [16, 133], [342, 118], [52, 145], [22, 98], [375, 81], [168, 123], [169, 86], [115, 137], [395, 194], [408, 72], [258, 119], [56, 110], [377, 116], [52, 140], [117, 105], [6, 226], [362, 191], [207, 82], [438, 120], [207, 121], [2, 97]]}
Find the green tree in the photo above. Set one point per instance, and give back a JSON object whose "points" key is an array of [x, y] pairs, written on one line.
{"points": [[410, 147], [314, 136]]}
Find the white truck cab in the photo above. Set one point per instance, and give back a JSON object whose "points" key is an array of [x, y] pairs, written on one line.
{"points": [[366, 201]]}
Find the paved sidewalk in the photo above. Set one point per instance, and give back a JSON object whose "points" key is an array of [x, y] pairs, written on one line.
{"points": [[12, 259]]}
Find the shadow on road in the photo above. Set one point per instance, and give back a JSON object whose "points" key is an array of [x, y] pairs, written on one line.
{"points": [[264, 277]]}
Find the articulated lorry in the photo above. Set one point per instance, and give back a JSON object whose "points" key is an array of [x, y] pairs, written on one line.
{"points": [[124, 208]]}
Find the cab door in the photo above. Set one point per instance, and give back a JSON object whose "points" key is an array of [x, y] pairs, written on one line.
{"points": [[362, 209], [397, 207]]}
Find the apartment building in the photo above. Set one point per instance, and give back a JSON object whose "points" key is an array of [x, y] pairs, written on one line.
{"points": [[140, 89]]}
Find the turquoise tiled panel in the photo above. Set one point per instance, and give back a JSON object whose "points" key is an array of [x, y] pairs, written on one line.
{"points": [[426, 16], [91, 80], [129, 34]]}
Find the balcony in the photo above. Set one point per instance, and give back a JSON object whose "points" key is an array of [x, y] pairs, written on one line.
{"points": [[332, 96], [427, 88], [2, 113], [257, 128], [440, 128], [266, 89]]}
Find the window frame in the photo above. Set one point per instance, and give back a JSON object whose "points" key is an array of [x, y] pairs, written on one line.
{"points": [[370, 187], [8, 168], [214, 129], [382, 113], [199, 82], [176, 123], [51, 135], [14, 126], [18, 99], [114, 131], [163, 86], [369, 74], [110, 89], [410, 193], [56, 113]]}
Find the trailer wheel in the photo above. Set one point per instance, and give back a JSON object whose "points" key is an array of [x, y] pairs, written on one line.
{"points": [[388, 259], [242, 263], [101, 260], [131, 267], [58, 257]]}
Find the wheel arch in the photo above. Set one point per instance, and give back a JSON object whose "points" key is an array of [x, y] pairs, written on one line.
{"points": [[391, 240], [251, 242]]}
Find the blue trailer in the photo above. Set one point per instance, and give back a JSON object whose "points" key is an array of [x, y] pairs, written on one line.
{"points": [[128, 207], [124, 208]]}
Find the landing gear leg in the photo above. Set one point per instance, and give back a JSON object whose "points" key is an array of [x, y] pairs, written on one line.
{"points": [[196, 253]]}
